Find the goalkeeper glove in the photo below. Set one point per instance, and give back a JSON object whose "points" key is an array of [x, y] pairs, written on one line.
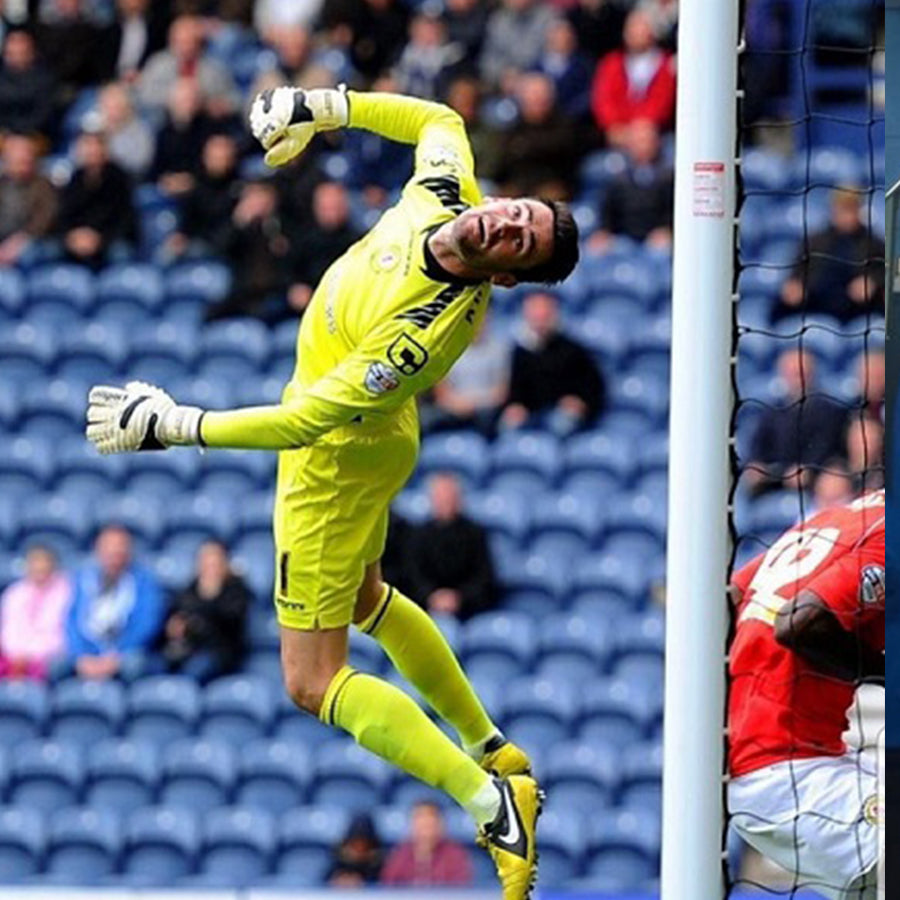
{"points": [[139, 417], [285, 119]]}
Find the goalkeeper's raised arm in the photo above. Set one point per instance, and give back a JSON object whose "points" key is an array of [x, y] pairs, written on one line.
{"points": [[393, 314]]}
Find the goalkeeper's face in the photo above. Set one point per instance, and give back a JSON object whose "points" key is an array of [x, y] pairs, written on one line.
{"points": [[504, 236]]}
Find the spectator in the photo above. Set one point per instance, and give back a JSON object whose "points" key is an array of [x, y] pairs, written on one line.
{"points": [[32, 617], [865, 453], [465, 96], [359, 856], [516, 34], [184, 58], [637, 82], [209, 201], [27, 87], [315, 248], [116, 612], [639, 201], [180, 142], [664, 18], [840, 272], [598, 25], [563, 62], [28, 200], [138, 32], [204, 632], [451, 572], [871, 379], [256, 249], [428, 858], [429, 59], [798, 435], [539, 154], [294, 46], [269, 14], [129, 139], [96, 208], [833, 486], [373, 31], [395, 559], [552, 375], [474, 390], [73, 46], [466, 26]]}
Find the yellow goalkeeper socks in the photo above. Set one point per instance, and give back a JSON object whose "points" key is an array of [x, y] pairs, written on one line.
{"points": [[387, 722], [421, 654]]}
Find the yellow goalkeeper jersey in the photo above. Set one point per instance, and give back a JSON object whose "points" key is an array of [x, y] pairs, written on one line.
{"points": [[386, 321]]}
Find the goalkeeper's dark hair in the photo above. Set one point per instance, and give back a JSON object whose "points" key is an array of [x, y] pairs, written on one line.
{"points": [[565, 248]]}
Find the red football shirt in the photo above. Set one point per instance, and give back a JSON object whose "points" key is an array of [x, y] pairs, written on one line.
{"points": [[779, 706]]}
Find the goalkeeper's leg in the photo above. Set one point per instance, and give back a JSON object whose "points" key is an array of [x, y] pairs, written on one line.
{"points": [[419, 651]]}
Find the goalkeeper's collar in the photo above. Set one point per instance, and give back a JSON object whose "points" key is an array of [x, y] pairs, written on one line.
{"points": [[434, 270]]}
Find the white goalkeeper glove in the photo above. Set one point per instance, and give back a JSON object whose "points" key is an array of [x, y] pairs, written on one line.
{"points": [[139, 417], [285, 119]]}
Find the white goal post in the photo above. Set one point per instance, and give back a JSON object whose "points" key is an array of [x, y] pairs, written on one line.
{"points": [[699, 434]]}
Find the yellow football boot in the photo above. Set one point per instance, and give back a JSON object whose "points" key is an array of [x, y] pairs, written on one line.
{"points": [[511, 838], [503, 758]]}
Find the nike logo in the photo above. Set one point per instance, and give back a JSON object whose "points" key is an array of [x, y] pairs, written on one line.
{"points": [[513, 831], [128, 412]]}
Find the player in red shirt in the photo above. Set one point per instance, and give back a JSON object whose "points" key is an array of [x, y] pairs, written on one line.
{"points": [[810, 629]]}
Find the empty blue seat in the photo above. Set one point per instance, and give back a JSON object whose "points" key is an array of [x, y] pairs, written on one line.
{"points": [[233, 348], [133, 284], [643, 393], [503, 634], [829, 166], [568, 513], [197, 282], [237, 709], [561, 842], [142, 515], [87, 711], [23, 711], [624, 278], [777, 511], [601, 452], [92, 354], [563, 547], [155, 475], [529, 451], [582, 777], [294, 726], [122, 775], [238, 844], [46, 776], [162, 344], [78, 462], [197, 774], [763, 170], [609, 714], [602, 572], [347, 775], [163, 708], [197, 517], [65, 283], [463, 453], [27, 352], [22, 843], [161, 845], [639, 512], [273, 776], [642, 766], [605, 338], [254, 556], [306, 838], [540, 705], [624, 845], [84, 845], [12, 292], [366, 653], [540, 573], [575, 635], [517, 483], [242, 472]]}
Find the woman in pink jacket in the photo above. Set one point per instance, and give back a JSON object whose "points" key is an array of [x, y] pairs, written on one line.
{"points": [[32, 617]]}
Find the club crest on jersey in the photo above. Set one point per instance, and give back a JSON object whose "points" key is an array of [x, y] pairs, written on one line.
{"points": [[873, 812], [385, 259], [381, 378], [872, 585]]}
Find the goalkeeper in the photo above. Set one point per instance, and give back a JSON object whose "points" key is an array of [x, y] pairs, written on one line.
{"points": [[387, 321]]}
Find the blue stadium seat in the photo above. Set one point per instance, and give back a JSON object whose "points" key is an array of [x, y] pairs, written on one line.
{"points": [[238, 844], [582, 777], [165, 352], [306, 838], [600, 604], [254, 555], [84, 845], [46, 776], [347, 775], [197, 774], [640, 513], [53, 409], [573, 635], [506, 513], [22, 843], [162, 708], [539, 573], [61, 289], [91, 355], [237, 709], [24, 706], [12, 292], [255, 513], [85, 471], [161, 845], [499, 634], [294, 726], [600, 167], [592, 483], [264, 664], [239, 473], [529, 451], [85, 712], [142, 515], [197, 517], [829, 166], [563, 547], [624, 278], [122, 775], [761, 280], [763, 170], [642, 766], [624, 848], [608, 714], [366, 654], [561, 842], [273, 776], [777, 511], [644, 393], [565, 512], [233, 349], [464, 453], [156, 475], [515, 483], [599, 451], [129, 293], [27, 353], [601, 572], [196, 283], [605, 338], [263, 630], [538, 711], [56, 520], [203, 392]]}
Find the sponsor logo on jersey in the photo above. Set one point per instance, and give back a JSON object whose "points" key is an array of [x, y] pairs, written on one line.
{"points": [[446, 189], [407, 355], [441, 155], [422, 316], [872, 585], [381, 378]]}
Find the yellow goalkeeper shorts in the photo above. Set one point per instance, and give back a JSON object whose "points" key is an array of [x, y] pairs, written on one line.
{"points": [[331, 516]]}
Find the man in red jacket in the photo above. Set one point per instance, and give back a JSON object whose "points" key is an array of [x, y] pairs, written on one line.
{"points": [[637, 82]]}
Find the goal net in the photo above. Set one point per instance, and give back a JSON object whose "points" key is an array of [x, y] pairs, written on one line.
{"points": [[809, 331]]}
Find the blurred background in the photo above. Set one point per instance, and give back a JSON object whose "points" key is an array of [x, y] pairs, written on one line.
{"points": [[145, 738]]}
